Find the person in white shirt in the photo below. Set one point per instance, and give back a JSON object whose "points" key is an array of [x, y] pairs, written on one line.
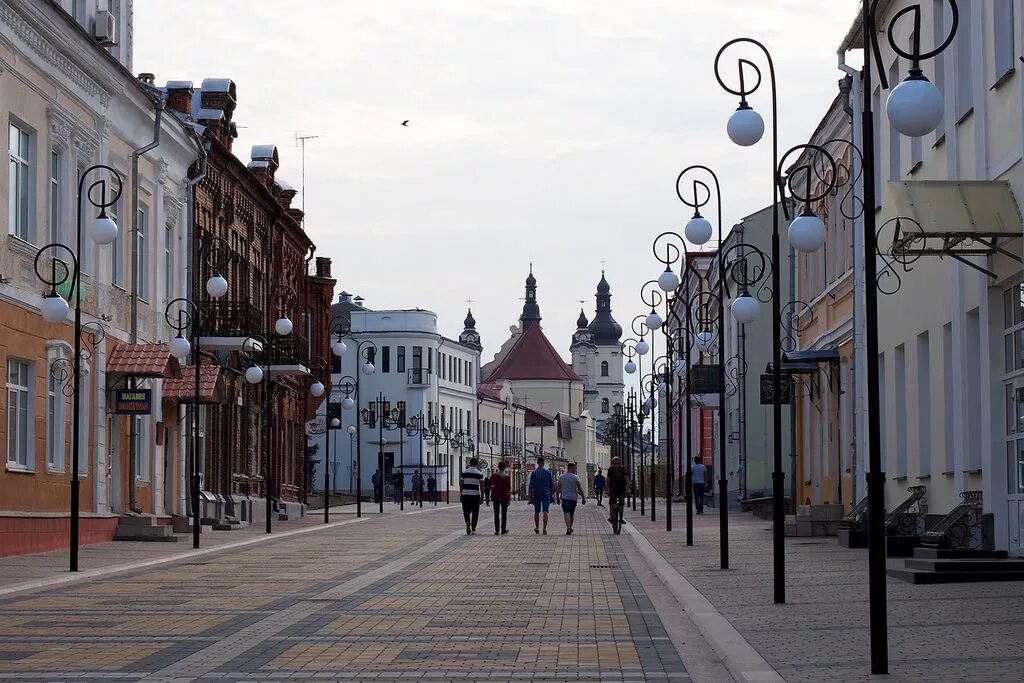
{"points": [[569, 489]]}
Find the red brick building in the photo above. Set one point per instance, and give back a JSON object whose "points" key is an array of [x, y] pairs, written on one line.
{"points": [[247, 207]]}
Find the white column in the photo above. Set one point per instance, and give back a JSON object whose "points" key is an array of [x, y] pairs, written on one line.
{"points": [[958, 371]]}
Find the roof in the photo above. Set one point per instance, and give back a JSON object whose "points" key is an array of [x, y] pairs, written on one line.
{"points": [[533, 357], [143, 360], [183, 388]]}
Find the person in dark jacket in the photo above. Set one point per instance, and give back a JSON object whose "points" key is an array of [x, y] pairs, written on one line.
{"points": [[487, 490], [501, 492]]}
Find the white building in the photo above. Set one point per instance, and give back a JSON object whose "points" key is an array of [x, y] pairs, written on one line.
{"points": [[434, 375], [597, 356]]}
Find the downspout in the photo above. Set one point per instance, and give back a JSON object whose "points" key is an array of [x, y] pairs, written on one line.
{"points": [[134, 333], [742, 418], [854, 108]]}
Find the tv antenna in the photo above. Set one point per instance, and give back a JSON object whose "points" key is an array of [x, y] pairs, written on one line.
{"points": [[300, 141]]}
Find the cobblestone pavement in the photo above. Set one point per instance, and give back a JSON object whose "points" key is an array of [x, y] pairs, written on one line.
{"points": [[392, 597], [952, 632]]}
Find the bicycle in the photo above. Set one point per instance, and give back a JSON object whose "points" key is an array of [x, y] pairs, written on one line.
{"points": [[616, 505]]}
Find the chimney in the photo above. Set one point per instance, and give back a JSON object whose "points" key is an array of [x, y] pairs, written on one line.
{"points": [[344, 298], [147, 78], [179, 96], [264, 164], [217, 107], [323, 267]]}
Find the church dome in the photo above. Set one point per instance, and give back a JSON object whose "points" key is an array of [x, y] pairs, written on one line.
{"points": [[604, 329], [470, 322], [581, 322]]}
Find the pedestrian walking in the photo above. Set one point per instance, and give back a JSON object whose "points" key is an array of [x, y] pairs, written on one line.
{"points": [[399, 487], [377, 493], [569, 491], [599, 488], [432, 487], [487, 490], [540, 488], [417, 486], [618, 484], [469, 493], [699, 477], [501, 494]]}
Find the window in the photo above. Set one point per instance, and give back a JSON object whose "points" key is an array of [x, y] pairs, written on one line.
{"points": [[900, 401], [56, 193], [604, 405], [19, 399], [604, 369], [964, 73], [169, 263], [20, 142], [385, 359], [116, 249], [1002, 20], [78, 10], [938, 35], [400, 359], [430, 360], [142, 265], [924, 406], [141, 453], [458, 363], [417, 357], [56, 415]]}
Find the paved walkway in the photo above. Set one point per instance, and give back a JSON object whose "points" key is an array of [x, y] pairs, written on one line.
{"points": [[399, 596], [952, 632]]}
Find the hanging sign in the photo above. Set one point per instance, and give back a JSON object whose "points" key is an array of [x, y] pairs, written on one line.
{"points": [[316, 426], [133, 401], [768, 390]]}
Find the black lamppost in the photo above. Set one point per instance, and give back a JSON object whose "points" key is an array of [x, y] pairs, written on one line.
{"points": [[185, 315], [628, 347], [55, 307], [396, 420], [379, 414], [319, 371], [652, 296], [417, 426], [366, 353]]}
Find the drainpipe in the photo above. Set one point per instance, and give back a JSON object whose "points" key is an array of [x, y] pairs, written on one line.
{"points": [[134, 334], [859, 381], [741, 423]]}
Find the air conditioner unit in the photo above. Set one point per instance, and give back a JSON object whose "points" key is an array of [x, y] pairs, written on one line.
{"points": [[105, 29]]}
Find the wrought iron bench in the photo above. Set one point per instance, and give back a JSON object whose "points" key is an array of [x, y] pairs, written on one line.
{"points": [[906, 518], [961, 528], [857, 518]]}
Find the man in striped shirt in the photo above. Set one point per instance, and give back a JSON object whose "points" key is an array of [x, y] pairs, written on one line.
{"points": [[470, 484]]}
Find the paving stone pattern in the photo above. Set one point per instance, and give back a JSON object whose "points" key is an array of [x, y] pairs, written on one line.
{"points": [[952, 632], [395, 597]]}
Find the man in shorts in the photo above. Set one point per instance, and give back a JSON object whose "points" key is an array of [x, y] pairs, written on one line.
{"points": [[540, 488], [569, 490]]}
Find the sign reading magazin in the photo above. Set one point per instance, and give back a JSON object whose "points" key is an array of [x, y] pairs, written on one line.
{"points": [[133, 401]]}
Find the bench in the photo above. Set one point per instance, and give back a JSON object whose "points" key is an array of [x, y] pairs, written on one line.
{"points": [[961, 528], [906, 518]]}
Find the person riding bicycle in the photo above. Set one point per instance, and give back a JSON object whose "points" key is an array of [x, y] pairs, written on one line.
{"points": [[618, 484]]}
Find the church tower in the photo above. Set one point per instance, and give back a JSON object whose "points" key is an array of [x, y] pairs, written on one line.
{"points": [[531, 309], [470, 337], [584, 353], [604, 385]]}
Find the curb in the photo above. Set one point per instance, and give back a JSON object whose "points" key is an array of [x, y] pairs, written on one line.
{"points": [[67, 578], [740, 658]]}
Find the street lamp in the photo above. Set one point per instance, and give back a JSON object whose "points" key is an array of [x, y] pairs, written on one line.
{"points": [[60, 275], [184, 315], [341, 328]]}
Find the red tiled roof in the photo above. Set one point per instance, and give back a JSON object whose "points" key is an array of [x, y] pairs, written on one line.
{"points": [[184, 390], [143, 360], [533, 357]]}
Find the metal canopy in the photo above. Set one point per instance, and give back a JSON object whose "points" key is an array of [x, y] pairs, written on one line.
{"points": [[958, 219], [811, 356]]}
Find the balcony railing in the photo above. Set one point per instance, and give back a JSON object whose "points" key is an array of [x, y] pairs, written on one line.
{"points": [[418, 377], [511, 449], [290, 350], [231, 319]]}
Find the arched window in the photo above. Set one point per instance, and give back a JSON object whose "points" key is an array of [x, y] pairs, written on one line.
{"points": [[604, 370], [604, 404]]}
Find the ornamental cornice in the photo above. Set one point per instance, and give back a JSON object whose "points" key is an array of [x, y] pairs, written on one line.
{"points": [[86, 145], [62, 127], [172, 208], [45, 50]]}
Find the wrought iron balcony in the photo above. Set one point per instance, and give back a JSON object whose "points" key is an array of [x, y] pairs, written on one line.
{"points": [[418, 377], [231, 318], [292, 349]]}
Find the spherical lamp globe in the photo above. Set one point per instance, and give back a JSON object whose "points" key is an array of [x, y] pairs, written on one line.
{"points": [[745, 308], [630, 367], [283, 326], [807, 232], [335, 423], [217, 286], [367, 368], [180, 348], [745, 126], [668, 281], [654, 320], [915, 106], [347, 403], [338, 348], [104, 230], [54, 308], [351, 429], [254, 375], [316, 389], [698, 230], [642, 347]]}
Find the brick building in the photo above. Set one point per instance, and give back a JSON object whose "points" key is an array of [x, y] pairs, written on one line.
{"points": [[267, 251]]}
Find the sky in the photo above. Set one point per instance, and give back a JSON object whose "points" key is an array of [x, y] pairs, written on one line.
{"points": [[543, 131]]}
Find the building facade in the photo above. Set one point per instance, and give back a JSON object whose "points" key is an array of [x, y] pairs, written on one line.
{"points": [[70, 102]]}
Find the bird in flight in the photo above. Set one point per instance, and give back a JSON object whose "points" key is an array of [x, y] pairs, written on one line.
{"points": [[406, 123]]}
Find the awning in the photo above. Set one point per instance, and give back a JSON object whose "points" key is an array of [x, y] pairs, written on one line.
{"points": [[535, 418], [183, 389], [143, 360], [811, 356]]}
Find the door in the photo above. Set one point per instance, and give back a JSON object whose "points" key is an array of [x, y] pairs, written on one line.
{"points": [[168, 472], [114, 483], [1015, 465]]}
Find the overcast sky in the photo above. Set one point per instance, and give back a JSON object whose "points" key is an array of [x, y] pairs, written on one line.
{"points": [[543, 130]]}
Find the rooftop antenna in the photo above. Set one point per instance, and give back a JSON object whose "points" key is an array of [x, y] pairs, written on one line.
{"points": [[300, 141]]}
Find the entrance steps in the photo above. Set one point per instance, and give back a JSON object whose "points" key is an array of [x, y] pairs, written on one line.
{"points": [[935, 565], [145, 528]]}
